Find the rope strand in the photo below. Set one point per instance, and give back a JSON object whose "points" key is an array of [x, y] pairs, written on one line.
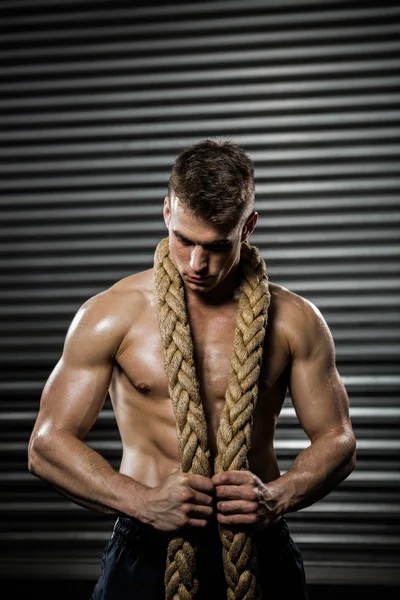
{"points": [[234, 434]]}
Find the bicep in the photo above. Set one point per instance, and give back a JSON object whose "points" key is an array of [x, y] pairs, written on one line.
{"points": [[75, 391], [318, 394]]}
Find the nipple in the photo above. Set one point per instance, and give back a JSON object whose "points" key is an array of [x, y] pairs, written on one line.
{"points": [[143, 387]]}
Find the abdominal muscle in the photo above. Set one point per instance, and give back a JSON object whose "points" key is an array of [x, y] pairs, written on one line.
{"points": [[148, 433], [152, 470]]}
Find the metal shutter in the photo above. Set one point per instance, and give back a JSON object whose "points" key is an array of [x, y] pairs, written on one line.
{"points": [[97, 99]]}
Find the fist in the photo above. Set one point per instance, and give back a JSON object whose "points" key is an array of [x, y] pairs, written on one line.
{"points": [[243, 499], [184, 499]]}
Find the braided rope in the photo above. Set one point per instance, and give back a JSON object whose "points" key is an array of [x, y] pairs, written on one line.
{"points": [[234, 433]]}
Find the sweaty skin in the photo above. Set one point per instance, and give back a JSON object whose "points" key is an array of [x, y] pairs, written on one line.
{"points": [[114, 345]]}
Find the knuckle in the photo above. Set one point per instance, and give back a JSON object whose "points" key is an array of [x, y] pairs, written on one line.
{"points": [[186, 495], [183, 520]]}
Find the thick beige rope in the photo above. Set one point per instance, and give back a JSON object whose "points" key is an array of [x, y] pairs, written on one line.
{"points": [[234, 433]]}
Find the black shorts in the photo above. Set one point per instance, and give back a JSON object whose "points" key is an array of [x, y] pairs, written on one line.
{"points": [[134, 561]]}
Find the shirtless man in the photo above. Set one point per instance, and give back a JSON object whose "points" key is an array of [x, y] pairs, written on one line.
{"points": [[113, 346]]}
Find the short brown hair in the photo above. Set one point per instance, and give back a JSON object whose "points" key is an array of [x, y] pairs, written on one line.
{"points": [[214, 179]]}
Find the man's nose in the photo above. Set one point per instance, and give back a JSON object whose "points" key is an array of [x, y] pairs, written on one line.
{"points": [[198, 259]]}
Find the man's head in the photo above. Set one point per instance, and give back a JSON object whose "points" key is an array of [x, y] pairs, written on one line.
{"points": [[209, 211], [214, 180]]}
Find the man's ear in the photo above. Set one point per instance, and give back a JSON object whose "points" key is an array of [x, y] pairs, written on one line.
{"points": [[166, 212], [249, 226]]}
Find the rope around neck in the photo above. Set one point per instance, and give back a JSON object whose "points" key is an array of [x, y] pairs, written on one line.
{"points": [[234, 434]]}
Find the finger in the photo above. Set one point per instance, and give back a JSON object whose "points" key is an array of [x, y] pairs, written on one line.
{"points": [[201, 483], [237, 519], [234, 492], [233, 478], [197, 510], [237, 506], [202, 499], [197, 523]]}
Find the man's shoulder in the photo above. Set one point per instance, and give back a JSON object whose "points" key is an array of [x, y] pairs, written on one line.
{"points": [[299, 319], [287, 302], [136, 286], [121, 303]]}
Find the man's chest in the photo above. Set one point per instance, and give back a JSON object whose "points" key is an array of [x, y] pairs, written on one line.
{"points": [[141, 355]]}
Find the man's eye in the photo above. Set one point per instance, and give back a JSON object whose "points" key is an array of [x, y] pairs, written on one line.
{"points": [[219, 248], [210, 249]]}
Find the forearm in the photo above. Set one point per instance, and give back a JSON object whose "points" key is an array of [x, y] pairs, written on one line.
{"points": [[314, 473], [81, 474]]}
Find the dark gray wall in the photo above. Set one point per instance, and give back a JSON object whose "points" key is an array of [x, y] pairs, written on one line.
{"points": [[97, 99]]}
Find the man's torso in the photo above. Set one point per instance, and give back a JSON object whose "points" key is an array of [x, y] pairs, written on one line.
{"points": [[139, 385]]}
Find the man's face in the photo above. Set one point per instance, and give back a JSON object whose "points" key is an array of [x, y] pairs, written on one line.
{"points": [[203, 253]]}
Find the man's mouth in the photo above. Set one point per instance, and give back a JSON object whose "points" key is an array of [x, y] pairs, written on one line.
{"points": [[197, 279]]}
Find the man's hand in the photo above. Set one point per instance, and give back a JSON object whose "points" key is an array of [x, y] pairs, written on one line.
{"points": [[243, 499], [184, 499]]}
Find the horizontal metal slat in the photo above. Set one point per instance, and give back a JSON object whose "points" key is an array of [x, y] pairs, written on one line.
{"points": [[263, 140], [273, 157], [366, 117], [199, 76], [362, 102], [200, 58], [182, 43], [149, 200], [140, 219], [127, 177], [197, 24], [158, 10], [267, 90]]}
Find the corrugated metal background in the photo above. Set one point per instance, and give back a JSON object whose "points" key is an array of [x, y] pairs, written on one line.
{"points": [[97, 99]]}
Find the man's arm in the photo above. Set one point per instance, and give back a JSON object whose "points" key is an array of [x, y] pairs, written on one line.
{"points": [[322, 406], [71, 401]]}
